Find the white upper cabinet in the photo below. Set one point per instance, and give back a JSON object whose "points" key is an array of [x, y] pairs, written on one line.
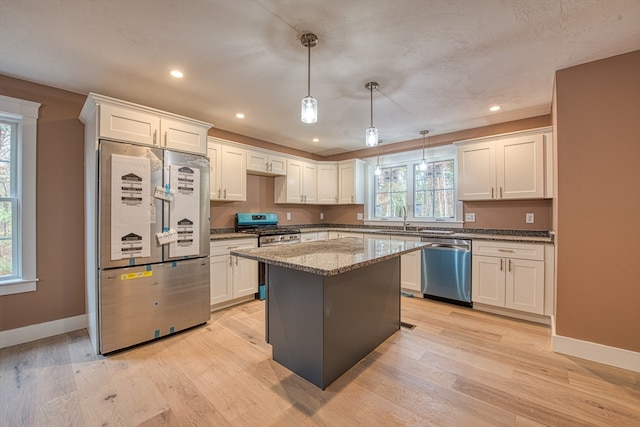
{"points": [[300, 185], [266, 163], [127, 122], [506, 168], [351, 182], [228, 175], [327, 183]]}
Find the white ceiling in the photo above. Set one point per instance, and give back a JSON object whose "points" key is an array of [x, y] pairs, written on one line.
{"points": [[440, 64]]}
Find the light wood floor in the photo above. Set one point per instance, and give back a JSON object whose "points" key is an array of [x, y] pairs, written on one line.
{"points": [[458, 367]]}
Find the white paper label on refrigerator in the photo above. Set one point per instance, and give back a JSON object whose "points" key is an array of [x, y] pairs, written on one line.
{"points": [[184, 212], [130, 207], [163, 193]]}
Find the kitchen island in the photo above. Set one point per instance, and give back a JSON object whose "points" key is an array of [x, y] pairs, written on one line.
{"points": [[330, 303]]}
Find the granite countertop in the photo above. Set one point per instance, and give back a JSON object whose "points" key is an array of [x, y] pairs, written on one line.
{"points": [[231, 235], [330, 257]]}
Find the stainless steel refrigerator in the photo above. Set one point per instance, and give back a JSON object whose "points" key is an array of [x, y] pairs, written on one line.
{"points": [[153, 240]]}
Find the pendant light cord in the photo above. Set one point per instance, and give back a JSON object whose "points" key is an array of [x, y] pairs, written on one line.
{"points": [[308, 69], [371, 91]]}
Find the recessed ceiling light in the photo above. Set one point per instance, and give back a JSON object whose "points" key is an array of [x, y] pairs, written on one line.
{"points": [[177, 74], [240, 116], [495, 108], [316, 139]]}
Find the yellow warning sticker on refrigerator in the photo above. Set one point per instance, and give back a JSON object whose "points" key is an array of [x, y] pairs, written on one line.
{"points": [[138, 275]]}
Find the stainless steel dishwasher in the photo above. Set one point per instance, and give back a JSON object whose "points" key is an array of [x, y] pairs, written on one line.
{"points": [[446, 270]]}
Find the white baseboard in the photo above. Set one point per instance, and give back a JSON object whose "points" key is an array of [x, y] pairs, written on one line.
{"points": [[618, 357], [42, 330]]}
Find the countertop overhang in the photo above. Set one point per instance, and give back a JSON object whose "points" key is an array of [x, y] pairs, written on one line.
{"points": [[330, 257]]}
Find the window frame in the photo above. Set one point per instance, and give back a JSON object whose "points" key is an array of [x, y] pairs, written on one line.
{"points": [[25, 114], [411, 159]]}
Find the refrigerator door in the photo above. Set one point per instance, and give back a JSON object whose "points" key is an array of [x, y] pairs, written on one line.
{"points": [[139, 304], [128, 216], [187, 213]]}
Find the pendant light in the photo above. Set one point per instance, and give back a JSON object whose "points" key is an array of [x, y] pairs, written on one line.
{"points": [[378, 170], [371, 134], [423, 163], [309, 111]]}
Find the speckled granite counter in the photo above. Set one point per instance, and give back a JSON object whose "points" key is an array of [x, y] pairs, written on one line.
{"points": [[330, 257], [231, 235]]}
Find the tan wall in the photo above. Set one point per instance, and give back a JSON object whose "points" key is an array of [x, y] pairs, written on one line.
{"points": [[60, 211], [598, 137], [510, 215]]}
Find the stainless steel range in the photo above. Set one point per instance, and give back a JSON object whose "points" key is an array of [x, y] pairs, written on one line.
{"points": [[265, 225]]}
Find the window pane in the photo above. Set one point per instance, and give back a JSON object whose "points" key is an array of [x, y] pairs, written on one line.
{"points": [[434, 190], [390, 191], [6, 238], [5, 159]]}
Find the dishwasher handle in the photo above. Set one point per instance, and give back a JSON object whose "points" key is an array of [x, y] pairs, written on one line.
{"points": [[444, 246]]}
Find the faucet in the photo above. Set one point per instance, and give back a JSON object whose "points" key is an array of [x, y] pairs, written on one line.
{"points": [[403, 213]]}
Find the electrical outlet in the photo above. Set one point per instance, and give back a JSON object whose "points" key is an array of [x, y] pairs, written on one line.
{"points": [[529, 218], [470, 217], [321, 215], [360, 216], [289, 216]]}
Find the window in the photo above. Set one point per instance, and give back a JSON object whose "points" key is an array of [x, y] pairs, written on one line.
{"points": [[391, 192], [434, 190], [18, 121], [427, 195]]}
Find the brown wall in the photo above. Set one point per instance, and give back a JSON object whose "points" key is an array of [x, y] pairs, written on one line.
{"points": [[60, 211], [260, 195], [598, 144], [510, 214]]}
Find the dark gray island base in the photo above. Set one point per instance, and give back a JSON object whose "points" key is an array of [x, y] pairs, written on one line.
{"points": [[330, 303]]}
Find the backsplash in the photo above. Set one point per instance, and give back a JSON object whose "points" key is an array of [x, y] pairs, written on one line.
{"points": [[510, 214]]}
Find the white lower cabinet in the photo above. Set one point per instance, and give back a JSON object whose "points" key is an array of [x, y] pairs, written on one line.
{"points": [[508, 275], [232, 277], [308, 237], [411, 268]]}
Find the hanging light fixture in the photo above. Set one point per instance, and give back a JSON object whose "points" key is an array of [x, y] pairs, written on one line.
{"points": [[378, 170], [309, 111], [371, 134], [423, 163]]}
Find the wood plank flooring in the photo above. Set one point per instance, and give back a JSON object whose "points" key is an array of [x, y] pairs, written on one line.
{"points": [[458, 367]]}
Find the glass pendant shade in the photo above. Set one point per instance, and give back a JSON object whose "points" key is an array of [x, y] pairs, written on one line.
{"points": [[371, 136], [423, 165], [378, 171], [309, 111]]}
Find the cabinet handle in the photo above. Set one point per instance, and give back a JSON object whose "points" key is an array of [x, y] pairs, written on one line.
{"points": [[230, 261], [505, 250], [501, 192], [509, 266], [236, 260], [219, 192], [155, 134], [225, 193], [501, 264], [492, 192], [165, 138], [351, 199]]}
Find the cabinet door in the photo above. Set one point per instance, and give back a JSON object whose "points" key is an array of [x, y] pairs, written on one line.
{"points": [[327, 184], [310, 182], [350, 182], [525, 285], [245, 277], [233, 180], [215, 175], [183, 136], [221, 285], [293, 189], [410, 271], [277, 165], [128, 124], [308, 237], [520, 167], [488, 280], [477, 171], [257, 161]]}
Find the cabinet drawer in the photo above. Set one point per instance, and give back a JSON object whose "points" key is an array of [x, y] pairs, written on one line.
{"points": [[509, 250], [222, 247]]}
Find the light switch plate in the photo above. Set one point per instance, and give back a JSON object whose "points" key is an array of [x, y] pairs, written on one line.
{"points": [[321, 215], [529, 218], [289, 216], [360, 216], [470, 217]]}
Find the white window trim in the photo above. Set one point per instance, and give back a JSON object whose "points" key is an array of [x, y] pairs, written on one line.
{"points": [[27, 114], [410, 158]]}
